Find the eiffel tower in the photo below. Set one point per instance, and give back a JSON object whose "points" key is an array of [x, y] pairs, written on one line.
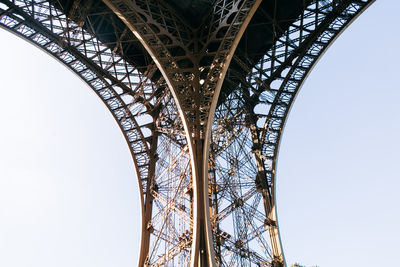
{"points": [[201, 90]]}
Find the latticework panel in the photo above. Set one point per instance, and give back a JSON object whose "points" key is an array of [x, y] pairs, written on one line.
{"points": [[247, 124], [114, 80], [240, 234], [145, 112], [247, 128], [191, 65], [171, 223]]}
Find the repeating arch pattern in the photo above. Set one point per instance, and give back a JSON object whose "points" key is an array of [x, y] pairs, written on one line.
{"points": [[245, 131]]}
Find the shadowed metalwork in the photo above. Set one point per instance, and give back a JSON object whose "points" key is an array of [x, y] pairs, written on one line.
{"points": [[201, 91]]}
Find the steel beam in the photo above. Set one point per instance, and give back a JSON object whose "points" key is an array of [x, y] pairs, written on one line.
{"points": [[196, 97], [206, 166]]}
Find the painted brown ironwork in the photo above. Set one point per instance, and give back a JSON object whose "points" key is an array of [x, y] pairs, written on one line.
{"points": [[144, 111], [205, 161], [263, 103], [183, 59]]}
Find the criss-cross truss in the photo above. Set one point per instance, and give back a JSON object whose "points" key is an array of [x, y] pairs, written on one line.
{"points": [[202, 118]]}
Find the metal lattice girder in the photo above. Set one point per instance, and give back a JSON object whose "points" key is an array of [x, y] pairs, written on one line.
{"points": [[194, 71], [260, 106], [115, 81], [205, 164], [189, 62], [144, 111]]}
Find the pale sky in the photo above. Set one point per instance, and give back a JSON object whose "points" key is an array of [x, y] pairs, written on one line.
{"points": [[68, 192]]}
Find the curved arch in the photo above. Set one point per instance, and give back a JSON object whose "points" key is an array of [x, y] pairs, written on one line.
{"points": [[303, 44], [68, 184], [138, 105], [338, 156], [145, 112], [196, 100], [262, 102], [126, 96]]}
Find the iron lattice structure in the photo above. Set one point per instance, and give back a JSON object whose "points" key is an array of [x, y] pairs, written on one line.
{"points": [[201, 91]]}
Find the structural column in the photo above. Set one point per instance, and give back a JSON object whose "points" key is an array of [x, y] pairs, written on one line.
{"points": [[194, 71], [221, 154]]}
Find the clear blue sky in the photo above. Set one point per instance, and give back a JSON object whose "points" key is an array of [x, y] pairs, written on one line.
{"points": [[67, 185]]}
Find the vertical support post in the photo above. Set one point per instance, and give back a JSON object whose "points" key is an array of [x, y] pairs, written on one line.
{"points": [[193, 114]]}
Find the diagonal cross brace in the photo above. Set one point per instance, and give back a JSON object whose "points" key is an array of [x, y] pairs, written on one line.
{"points": [[194, 72]]}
